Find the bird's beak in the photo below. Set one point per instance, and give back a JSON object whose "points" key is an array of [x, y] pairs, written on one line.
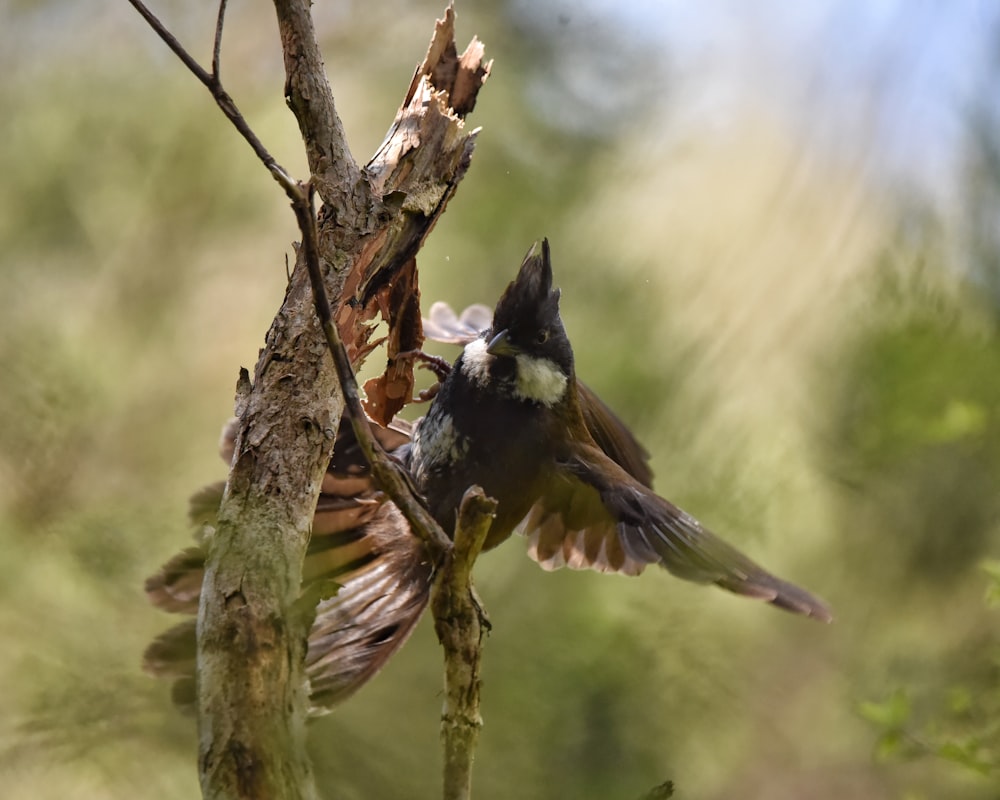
{"points": [[501, 345]]}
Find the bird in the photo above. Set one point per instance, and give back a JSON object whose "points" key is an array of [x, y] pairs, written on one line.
{"points": [[511, 417]]}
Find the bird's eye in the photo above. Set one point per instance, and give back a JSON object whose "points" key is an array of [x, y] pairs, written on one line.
{"points": [[542, 337]]}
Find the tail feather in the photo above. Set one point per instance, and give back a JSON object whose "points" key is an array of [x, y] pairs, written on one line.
{"points": [[780, 594], [176, 587], [173, 653], [373, 613], [359, 540]]}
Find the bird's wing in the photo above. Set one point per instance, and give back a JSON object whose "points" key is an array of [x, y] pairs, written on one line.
{"points": [[613, 436], [361, 547], [384, 580], [594, 515]]}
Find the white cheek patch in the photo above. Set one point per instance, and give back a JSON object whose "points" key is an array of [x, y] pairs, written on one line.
{"points": [[476, 362], [539, 380]]}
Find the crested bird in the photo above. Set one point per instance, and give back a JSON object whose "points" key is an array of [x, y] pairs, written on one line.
{"points": [[511, 417]]}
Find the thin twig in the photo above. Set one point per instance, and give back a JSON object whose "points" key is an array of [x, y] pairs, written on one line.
{"points": [[172, 43], [217, 47], [221, 97]]}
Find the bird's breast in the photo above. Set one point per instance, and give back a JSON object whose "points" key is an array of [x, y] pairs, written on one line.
{"points": [[438, 446], [496, 443]]}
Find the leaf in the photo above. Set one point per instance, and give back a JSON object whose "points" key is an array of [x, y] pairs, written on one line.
{"points": [[967, 754], [960, 700], [889, 746], [992, 568], [893, 713]]}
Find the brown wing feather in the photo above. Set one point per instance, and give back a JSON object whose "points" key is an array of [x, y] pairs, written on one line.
{"points": [[594, 515], [176, 586], [383, 593], [613, 436], [571, 527], [360, 542]]}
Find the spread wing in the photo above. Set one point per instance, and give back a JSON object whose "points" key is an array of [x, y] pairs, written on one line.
{"points": [[613, 437], [594, 515], [360, 545]]}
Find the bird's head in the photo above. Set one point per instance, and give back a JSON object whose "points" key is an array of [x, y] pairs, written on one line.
{"points": [[526, 348]]}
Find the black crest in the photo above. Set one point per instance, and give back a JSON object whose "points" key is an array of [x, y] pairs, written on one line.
{"points": [[529, 302]]}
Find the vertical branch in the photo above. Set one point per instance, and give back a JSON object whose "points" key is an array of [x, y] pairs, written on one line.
{"points": [[459, 621], [334, 171]]}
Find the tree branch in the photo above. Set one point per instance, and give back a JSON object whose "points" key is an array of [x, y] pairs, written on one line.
{"points": [[335, 174], [213, 84], [217, 45], [459, 621]]}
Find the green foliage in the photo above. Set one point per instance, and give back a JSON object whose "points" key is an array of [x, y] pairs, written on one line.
{"points": [[952, 716], [915, 449], [992, 569], [916, 437]]}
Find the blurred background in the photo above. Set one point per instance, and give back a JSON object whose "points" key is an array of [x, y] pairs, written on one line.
{"points": [[777, 231]]}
